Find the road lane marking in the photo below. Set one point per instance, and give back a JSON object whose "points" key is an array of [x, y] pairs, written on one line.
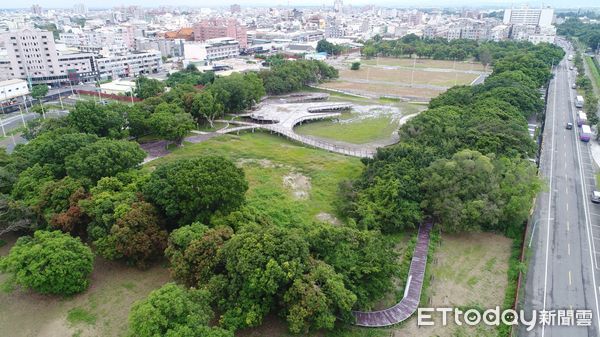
{"points": [[568, 226], [568, 248], [567, 205], [552, 142], [570, 280], [591, 243]]}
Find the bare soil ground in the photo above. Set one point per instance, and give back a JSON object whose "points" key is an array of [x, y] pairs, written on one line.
{"points": [[381, 89], [113, 289], [425, 63], [399, 75]]}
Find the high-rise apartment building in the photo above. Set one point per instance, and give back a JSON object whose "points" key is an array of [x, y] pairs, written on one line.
{"points": [[217, 28], [31, 54], [529, 16]]}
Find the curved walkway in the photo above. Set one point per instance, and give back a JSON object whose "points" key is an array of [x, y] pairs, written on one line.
{"points": [[412, 293]]}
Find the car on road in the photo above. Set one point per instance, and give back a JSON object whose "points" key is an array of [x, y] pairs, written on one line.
{"points": [[569, 126], [596, 197]]}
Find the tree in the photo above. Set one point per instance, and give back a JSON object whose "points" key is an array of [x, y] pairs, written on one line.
{"points": [[39, 91], [355, 66], [51, 149], [462, 193], [173, 311], [173, 127], [260, 263], [207, 107], [193, 189], [193, 252], [49, 263], [146, 87], [101, 120], [137, 236], [388, 195], [30, 183], [364, 259], [55, 196], [315, 300], [15, 216], [104, 158]]}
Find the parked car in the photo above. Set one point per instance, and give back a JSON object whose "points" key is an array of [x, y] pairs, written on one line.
{"points": [[596, 197], [569, 126], [573, 86]]}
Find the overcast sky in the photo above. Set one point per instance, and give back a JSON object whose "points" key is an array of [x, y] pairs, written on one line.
{"points": [[214, 3]]}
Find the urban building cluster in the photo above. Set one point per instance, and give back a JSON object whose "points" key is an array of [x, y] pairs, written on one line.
{"points": [[76, 45]]}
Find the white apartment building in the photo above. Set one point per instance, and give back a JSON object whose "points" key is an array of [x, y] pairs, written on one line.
{"points": [[529, 16], [129, 65], [211, 50], [31, 54], [12, 89]]}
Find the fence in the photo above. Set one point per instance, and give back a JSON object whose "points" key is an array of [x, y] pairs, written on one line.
{"points": [[109, 96]]}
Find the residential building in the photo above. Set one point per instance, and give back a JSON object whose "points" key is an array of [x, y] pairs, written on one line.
{"points": [[129, 65], [220, 28], [32, 54], [211, 50], [529, 16], [14, 88]]}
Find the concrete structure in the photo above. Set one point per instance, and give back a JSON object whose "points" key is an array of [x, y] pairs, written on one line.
{"points": [[12, 89], [32, 54], [129, 65], [529, 16], [117, 87], [219, 28], [211, 50]]}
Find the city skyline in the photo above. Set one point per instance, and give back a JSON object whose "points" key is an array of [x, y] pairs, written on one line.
{"points": [[99, 4]]}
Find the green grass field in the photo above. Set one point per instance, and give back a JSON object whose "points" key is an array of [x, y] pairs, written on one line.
{"points": [[356, 132], [267, 160], [594, 71]]}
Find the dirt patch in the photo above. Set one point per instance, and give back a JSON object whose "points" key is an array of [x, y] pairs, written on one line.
{"points": [[469, 270], [328, 218], [264, 163], [299, 184]]}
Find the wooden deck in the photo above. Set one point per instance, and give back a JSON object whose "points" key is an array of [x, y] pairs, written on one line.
{"points": [[412, 295]]}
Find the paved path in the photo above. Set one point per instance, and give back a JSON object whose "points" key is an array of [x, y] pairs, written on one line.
{"points": [[412, 293]]}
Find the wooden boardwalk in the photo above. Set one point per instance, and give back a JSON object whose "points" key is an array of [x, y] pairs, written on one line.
{"points": [[412, 294]]}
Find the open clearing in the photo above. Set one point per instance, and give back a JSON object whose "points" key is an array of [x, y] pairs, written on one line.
{"points": [[469, 270], [404, 76], [267, 160], [424, 63], [379, 89], [100, 311], [419, 79], [365, 124]]}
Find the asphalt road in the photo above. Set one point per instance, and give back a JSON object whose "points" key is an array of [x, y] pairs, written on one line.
{"points": [[565, 242]]}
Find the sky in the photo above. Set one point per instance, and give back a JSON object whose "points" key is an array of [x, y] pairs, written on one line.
{"points": [[215, 3]]}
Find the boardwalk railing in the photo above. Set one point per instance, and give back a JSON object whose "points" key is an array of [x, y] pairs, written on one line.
{"points": [[412, 295]]}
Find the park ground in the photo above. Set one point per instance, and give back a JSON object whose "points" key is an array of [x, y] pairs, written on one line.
{"points": [[287, 181], [415, 79]]}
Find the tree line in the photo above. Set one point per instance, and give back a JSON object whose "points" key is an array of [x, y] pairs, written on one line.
{"points": [[465, 160], [586, 33]]}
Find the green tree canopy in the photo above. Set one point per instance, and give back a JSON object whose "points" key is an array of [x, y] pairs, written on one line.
{"points": [[49, 263], [104, 158], [194, 189]]}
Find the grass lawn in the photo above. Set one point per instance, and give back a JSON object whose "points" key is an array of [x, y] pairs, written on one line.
{"points": [[206, 127], [357, 131], [287, 180], [424, 63], [469, 270], [593, 70], [100, 311]]}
